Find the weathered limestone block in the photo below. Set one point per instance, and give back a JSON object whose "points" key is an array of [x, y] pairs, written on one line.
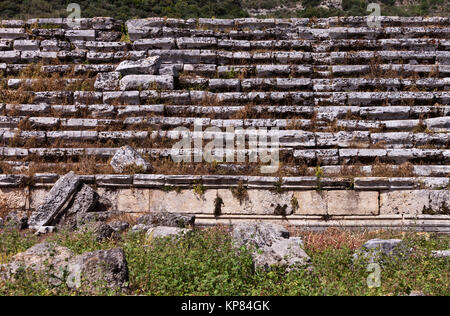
{"points": [[164, 231], [54, 45], [12, 198], [375, 250], [121, 97], [84, 201], [186, 201], [225, 84], [107, 81], [133, 201], [154, 43], [310, 202], [12, 33], [144, 82], [127, 156], [147, 66], [410, 202], [83, 69], [26, 44], [107, 266], [100, 57], [55, 200], [352, 203], [169, 70], [114, 180], [270, 244], [41, 257], [37, 197], [261, 202], [80, 35], [9, 57], [439, 202]]}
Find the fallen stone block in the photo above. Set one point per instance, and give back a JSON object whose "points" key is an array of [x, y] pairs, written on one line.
{"points": [[48, 258], [61, 192], [165, 231], [145, 82], [127, 156], [100, 230], [378, 250], [84, 201], [42, 230], [119, 226], [16, 220], [107, 268], [147, 66], [270, 245], [107, 81], [440, 253]]}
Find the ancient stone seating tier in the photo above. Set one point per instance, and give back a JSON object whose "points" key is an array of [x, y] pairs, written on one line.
{"points": [[363, 113]]}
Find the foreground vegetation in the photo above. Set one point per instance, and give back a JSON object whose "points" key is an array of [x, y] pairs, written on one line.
{"points": [[205, 263], [128, 9]]}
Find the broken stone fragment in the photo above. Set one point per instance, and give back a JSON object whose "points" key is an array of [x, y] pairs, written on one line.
{"points": [[46, 258], [146, 82], [119, 226], [165, 231], [375, 250], [126, 157], [100, 230], [270, 245], [16, 220], [107, 268], [42, 230], [107, 81], [84, 201], [147, 66], [440, 253], [58, 196]]}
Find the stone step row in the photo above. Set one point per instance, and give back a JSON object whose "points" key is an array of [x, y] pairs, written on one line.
{"points": [[250, 182], [165, 82], [360, 57], [283, 138], [256, 23], [224, 57], [436, 124], [198, 97], [212, 70], [351, 156], [304, 33], [420, 45], [62, 56], [59, 34], [309, 70], [107, 23], [311, 157], [36, 112], [62, 69], [335, 85], [58, 45], [237, 168], [287, 138], [96, 23]]}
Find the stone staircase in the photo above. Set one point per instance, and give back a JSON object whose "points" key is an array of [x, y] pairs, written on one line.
{"points": [[361, 114]]}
